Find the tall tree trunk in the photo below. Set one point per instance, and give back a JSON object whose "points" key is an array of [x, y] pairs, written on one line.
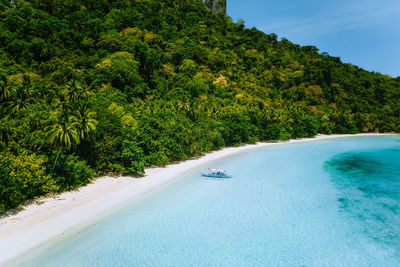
{"points": [[58, 154]]}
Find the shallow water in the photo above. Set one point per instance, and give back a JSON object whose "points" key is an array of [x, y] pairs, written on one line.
{"points": [[331, 202], [369, 185]]}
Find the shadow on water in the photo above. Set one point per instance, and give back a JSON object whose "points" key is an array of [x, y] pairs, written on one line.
{"points": [[369, 186]]}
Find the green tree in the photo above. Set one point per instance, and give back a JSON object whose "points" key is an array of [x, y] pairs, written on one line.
{"points": [[22, 97], [63, 134], [132, 156], [6, 90], [84, 121], [22, 177]]}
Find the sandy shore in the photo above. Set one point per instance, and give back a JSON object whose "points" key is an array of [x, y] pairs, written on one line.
{"points": [[54, 217]]}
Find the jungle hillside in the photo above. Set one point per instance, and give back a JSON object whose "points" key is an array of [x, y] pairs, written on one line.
{"points": [[93, 87]]}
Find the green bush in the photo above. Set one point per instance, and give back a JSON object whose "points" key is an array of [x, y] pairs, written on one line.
{"points": [[22, 178], [132, 156], [70, 172]]}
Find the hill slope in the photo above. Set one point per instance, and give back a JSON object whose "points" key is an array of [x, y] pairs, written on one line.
{"points": [[89, 87]]}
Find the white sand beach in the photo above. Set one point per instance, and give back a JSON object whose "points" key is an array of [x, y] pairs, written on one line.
{"points": [[54, 217]]}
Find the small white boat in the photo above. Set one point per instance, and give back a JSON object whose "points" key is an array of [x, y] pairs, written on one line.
{"points": [[214, 173]]}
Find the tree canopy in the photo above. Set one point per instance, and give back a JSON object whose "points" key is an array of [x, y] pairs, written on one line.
{"points": [[89, 87]]}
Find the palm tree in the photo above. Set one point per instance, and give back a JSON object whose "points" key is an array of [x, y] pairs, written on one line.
{"points": [[85, 121], [22, 97], [70, 92], [6, 90], [75, 90], [85, 92], [21, 101], [63, 135], [27, 85]]}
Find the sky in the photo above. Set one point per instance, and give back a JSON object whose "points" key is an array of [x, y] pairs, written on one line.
{"points": [[365, 33]]}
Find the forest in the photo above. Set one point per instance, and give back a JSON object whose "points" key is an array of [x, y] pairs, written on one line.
{"points": [[94, 87]]}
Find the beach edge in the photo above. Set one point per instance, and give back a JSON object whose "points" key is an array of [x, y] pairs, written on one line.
{"points": [[54, 217]]}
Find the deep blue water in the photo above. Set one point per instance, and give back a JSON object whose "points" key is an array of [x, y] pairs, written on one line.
{"points": [[321, 203]]}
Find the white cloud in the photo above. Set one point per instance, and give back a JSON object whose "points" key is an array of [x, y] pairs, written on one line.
{"points": [[342, 19]]}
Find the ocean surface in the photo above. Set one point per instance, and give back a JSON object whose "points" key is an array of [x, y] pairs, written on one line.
{"points": [[321, 203]]}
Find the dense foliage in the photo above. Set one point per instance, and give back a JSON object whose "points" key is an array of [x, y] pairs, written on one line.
{"points": [[97, 86]]}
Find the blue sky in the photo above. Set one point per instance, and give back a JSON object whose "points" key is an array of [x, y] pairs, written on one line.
{"points": [[365, 33]]}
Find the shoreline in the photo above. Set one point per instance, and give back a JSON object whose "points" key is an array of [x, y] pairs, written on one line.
{"points": [[53, 217]]}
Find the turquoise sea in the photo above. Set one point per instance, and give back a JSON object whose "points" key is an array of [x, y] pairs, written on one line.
{"points": [[321, 203]]}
